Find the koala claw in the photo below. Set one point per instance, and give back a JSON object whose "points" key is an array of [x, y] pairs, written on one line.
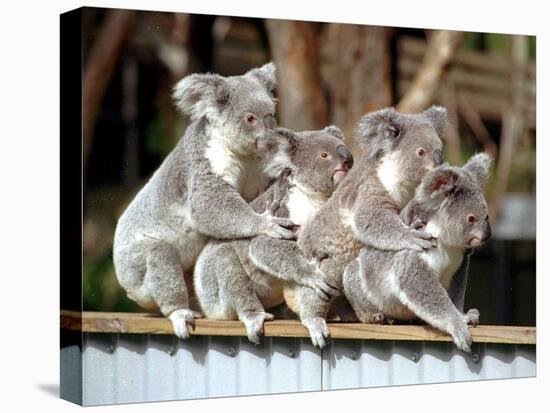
{"points": [[378, 318], [277, 227], [418, 224], [254, 323], [463, 339], [318, 331], [423, 240], [181, 319], [472, 317], [323, 289]]}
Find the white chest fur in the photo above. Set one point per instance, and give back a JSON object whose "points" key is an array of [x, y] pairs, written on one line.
{"points": [[243, 174], [303, 206], [387, 174], [443, 260]]}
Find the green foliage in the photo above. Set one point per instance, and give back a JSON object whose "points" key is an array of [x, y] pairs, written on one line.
{"points": [[496, 43], [472, 40], [156, 140], [101, 291]]}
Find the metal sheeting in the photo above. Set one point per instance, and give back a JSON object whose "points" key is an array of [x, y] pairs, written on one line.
{"points": [[133, 368], [129, 368], [353, 363]]}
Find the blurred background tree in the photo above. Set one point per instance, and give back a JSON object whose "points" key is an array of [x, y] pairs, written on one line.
{"points": [[328, 73]]}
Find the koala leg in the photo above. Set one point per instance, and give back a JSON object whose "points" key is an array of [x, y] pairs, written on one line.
{"points": [[354, 290], [419, 289], [165, 283], [311, 308], [313, 313], [237, 291], [285, 260]]}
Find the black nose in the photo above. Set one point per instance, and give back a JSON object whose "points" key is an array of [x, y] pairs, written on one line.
{"points": [[486, 230], [346, 155], [438, 157]]}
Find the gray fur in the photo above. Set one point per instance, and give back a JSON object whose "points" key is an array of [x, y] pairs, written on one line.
{"points": [[201, 190], [430, 284], [242, 278], [364, 210]]}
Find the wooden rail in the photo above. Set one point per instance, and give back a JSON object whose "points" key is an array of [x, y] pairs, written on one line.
{"points": [[481, 79], [140, 323]]}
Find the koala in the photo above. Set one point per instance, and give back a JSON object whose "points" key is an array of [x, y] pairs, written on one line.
{"points": [[229, 278], [428, 284], [201, 190], [398, 150]]}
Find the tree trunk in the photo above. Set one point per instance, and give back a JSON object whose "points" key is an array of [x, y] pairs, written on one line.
{"points": [[442, 46], [452, 138], [513, 117], [296, 54], [356, 68], [100, 66]]}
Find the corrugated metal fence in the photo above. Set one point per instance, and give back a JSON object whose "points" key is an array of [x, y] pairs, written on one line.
{"points": [[127, 368]]}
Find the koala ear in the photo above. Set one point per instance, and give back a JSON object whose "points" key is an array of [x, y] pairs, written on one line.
{"points": [[277, 151], [437, 115], [198, 94], [334, 131], [479, 166], [441, 181], [378, 130], [266, 75]]}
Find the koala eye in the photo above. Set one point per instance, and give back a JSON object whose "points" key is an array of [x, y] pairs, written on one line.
{"points": [[471, 219], [324, 155], [250, 118], [420, 151]]}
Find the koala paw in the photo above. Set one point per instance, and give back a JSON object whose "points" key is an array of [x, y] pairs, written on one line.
{"points": [[181, 319], [462, 338], [422, 240], [472, 317], [254, 323], [275, 227], [418, 224], [323, 289], [318, 331], [378, 318]]}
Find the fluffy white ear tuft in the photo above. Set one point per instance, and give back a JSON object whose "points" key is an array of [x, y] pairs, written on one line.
{"points": [[266, 75], [438, 117], [378, 130], [198, 94], [277, 151], [479, 166], [334, 131]]}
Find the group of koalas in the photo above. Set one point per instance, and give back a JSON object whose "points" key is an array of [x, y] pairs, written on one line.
{"points": [[262, 216]]}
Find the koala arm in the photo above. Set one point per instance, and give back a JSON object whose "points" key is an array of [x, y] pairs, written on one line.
{"points": [[379, 224], [283, 259], [219, 211], [457, 289]]}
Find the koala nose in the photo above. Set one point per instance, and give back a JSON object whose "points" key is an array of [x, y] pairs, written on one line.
{"points": [[486, 230], [346, 155], [438, 157]]}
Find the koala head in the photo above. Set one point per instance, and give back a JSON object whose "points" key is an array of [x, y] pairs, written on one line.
{"points": [[455, 197], [317, 160], [240, 109], [409, 144]]}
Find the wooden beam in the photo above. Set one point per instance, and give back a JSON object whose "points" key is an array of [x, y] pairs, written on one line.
{"points": [[141, 323]]}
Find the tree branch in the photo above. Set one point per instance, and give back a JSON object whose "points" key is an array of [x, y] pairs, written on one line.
{"points": [[441, 49]]}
